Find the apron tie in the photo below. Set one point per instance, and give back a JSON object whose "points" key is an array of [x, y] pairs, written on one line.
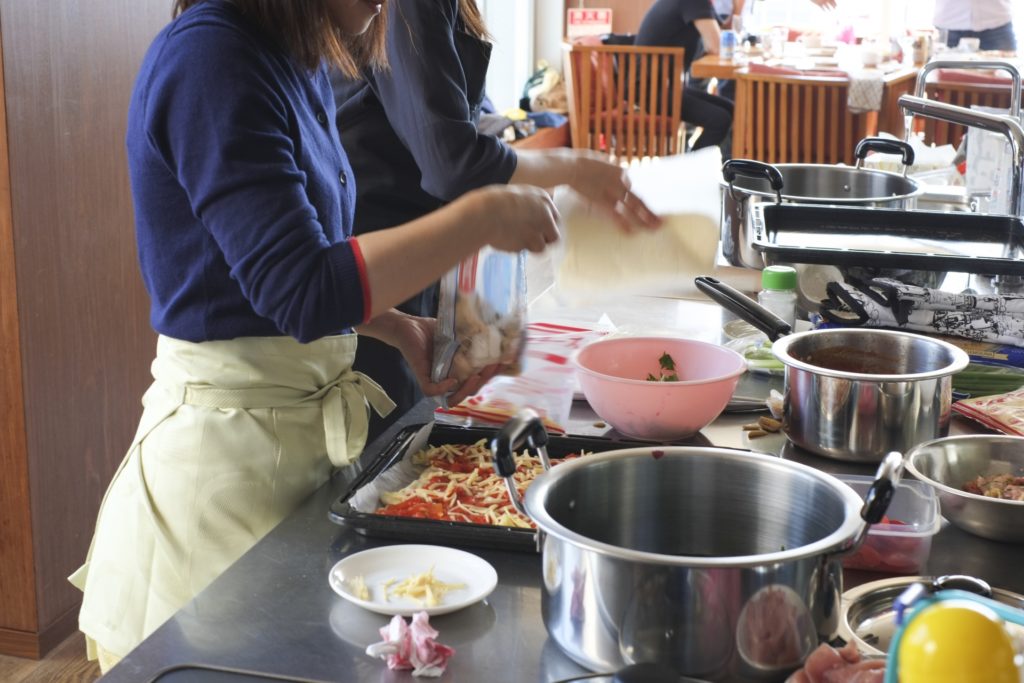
{"points": [[343, 402]]}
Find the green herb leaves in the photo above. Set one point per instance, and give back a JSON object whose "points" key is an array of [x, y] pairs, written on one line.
{"points": [[667, 371]]}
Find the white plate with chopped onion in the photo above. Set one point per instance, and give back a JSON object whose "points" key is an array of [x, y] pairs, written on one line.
{"points": [[406, 579]]}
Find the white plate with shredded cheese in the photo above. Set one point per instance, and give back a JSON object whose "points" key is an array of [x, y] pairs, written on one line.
{"points": [[405, 579]]}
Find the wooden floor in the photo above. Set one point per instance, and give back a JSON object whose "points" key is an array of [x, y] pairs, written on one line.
{"points": [[65, 664]]}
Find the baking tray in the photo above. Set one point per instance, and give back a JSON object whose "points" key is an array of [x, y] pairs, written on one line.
{"points": [[343, 511], [889, 238]]}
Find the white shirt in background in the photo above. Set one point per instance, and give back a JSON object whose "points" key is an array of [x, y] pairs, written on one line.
{"points": [[972, 15]]}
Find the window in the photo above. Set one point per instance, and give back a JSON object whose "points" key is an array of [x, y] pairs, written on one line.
{"points": [[511, 23]]}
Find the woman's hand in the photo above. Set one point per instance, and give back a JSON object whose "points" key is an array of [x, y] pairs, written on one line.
{"points": [[593, 176], [825, 4], [513, 217], [607, 186], [413, 336]]}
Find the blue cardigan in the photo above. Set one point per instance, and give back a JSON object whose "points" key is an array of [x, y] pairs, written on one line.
{"points": [[412, 130], [244, 197]]}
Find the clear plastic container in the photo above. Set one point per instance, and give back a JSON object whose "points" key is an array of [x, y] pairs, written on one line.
{"points": [[900, 544], [778, 292]]}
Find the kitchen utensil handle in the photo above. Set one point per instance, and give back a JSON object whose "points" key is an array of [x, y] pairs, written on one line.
{"points": [[386, 459], [746, 308], [971, 584], [753, 169], [885, 146], [878, 497], [526, 428]]}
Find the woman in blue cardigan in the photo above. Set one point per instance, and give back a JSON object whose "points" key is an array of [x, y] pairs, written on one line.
{"points": [[412, 135], [244, 203]]}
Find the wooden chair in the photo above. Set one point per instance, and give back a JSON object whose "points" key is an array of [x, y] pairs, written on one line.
{"points": [[625, 100], [962, 95], [783, 118], [890, 118]]}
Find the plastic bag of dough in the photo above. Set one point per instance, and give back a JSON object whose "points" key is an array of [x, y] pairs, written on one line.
{"points": [[596, 256], [481, 315]]}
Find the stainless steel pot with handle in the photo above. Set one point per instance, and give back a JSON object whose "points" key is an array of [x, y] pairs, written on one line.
{"points": [[855, 393], [719, 564], [746, 182]]}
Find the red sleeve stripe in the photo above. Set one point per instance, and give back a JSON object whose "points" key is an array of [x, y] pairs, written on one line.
{"points": [[363, 279]]}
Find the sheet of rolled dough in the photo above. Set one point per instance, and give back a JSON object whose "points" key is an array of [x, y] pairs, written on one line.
{"points": [[598, 255]]}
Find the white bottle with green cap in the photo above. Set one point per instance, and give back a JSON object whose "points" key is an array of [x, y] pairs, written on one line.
{"points": [[778, 292]]}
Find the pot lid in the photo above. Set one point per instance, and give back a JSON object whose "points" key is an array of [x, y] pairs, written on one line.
{"points": [[867, 617]]}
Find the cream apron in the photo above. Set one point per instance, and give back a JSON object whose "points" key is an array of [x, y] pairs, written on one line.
{"points": [[234, 435]]}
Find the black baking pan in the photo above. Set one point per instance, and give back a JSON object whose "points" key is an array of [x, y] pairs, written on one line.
{"points": [[888, 238], [456, 533]]}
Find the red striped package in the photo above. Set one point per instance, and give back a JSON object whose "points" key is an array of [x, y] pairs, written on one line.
{"points": [[546, 383]]}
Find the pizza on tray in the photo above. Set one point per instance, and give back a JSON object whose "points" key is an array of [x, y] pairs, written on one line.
{"points": [[459, 484]]}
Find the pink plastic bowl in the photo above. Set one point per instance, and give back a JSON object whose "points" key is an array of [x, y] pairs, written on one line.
{"points": [[612, 374]]}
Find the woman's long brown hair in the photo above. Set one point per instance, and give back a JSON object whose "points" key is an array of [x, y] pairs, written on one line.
{"points": [[306, 30], [473, 20]]}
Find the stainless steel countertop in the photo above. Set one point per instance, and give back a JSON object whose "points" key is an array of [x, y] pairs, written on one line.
{"points": [[273, 611]]}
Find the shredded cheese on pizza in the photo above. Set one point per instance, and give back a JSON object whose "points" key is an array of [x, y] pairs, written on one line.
{"points": [[459, 484]]}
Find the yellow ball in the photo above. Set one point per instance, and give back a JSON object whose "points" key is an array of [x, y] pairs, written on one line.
{"points": [[957, 641]]}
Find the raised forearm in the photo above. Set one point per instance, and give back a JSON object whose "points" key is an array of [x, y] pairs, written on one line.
{"points": [[710, 34], [401, 262], [544, 168]]}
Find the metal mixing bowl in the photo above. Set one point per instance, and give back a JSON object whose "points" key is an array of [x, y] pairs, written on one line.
{"points": [[949, 463]]}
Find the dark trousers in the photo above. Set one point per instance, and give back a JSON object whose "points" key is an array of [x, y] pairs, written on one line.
{"points": [[999, 38], [710, 112], [727, 89], [385, 365]]}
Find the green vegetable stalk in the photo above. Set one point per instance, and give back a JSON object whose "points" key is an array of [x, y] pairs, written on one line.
{"points": [[761, 357], [981, 379], [667, 371]]}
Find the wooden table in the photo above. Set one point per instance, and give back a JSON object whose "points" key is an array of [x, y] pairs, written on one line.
{"points": [[714, 66], [899, 82], [889, 118]]}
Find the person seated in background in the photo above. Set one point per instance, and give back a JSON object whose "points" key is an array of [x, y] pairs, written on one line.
{"points": [[691, 25], [990, 21]]}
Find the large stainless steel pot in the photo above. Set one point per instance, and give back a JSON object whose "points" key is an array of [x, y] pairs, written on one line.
{"points": [[853, 393], [718, 564], [746, 182]]}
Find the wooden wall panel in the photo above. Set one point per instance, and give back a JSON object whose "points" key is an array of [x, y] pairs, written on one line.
{"points": [[86, 343], [626, 14], [17, 577]]}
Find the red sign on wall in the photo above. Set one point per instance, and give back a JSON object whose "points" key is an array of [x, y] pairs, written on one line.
{"points": [[588, 22]]}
